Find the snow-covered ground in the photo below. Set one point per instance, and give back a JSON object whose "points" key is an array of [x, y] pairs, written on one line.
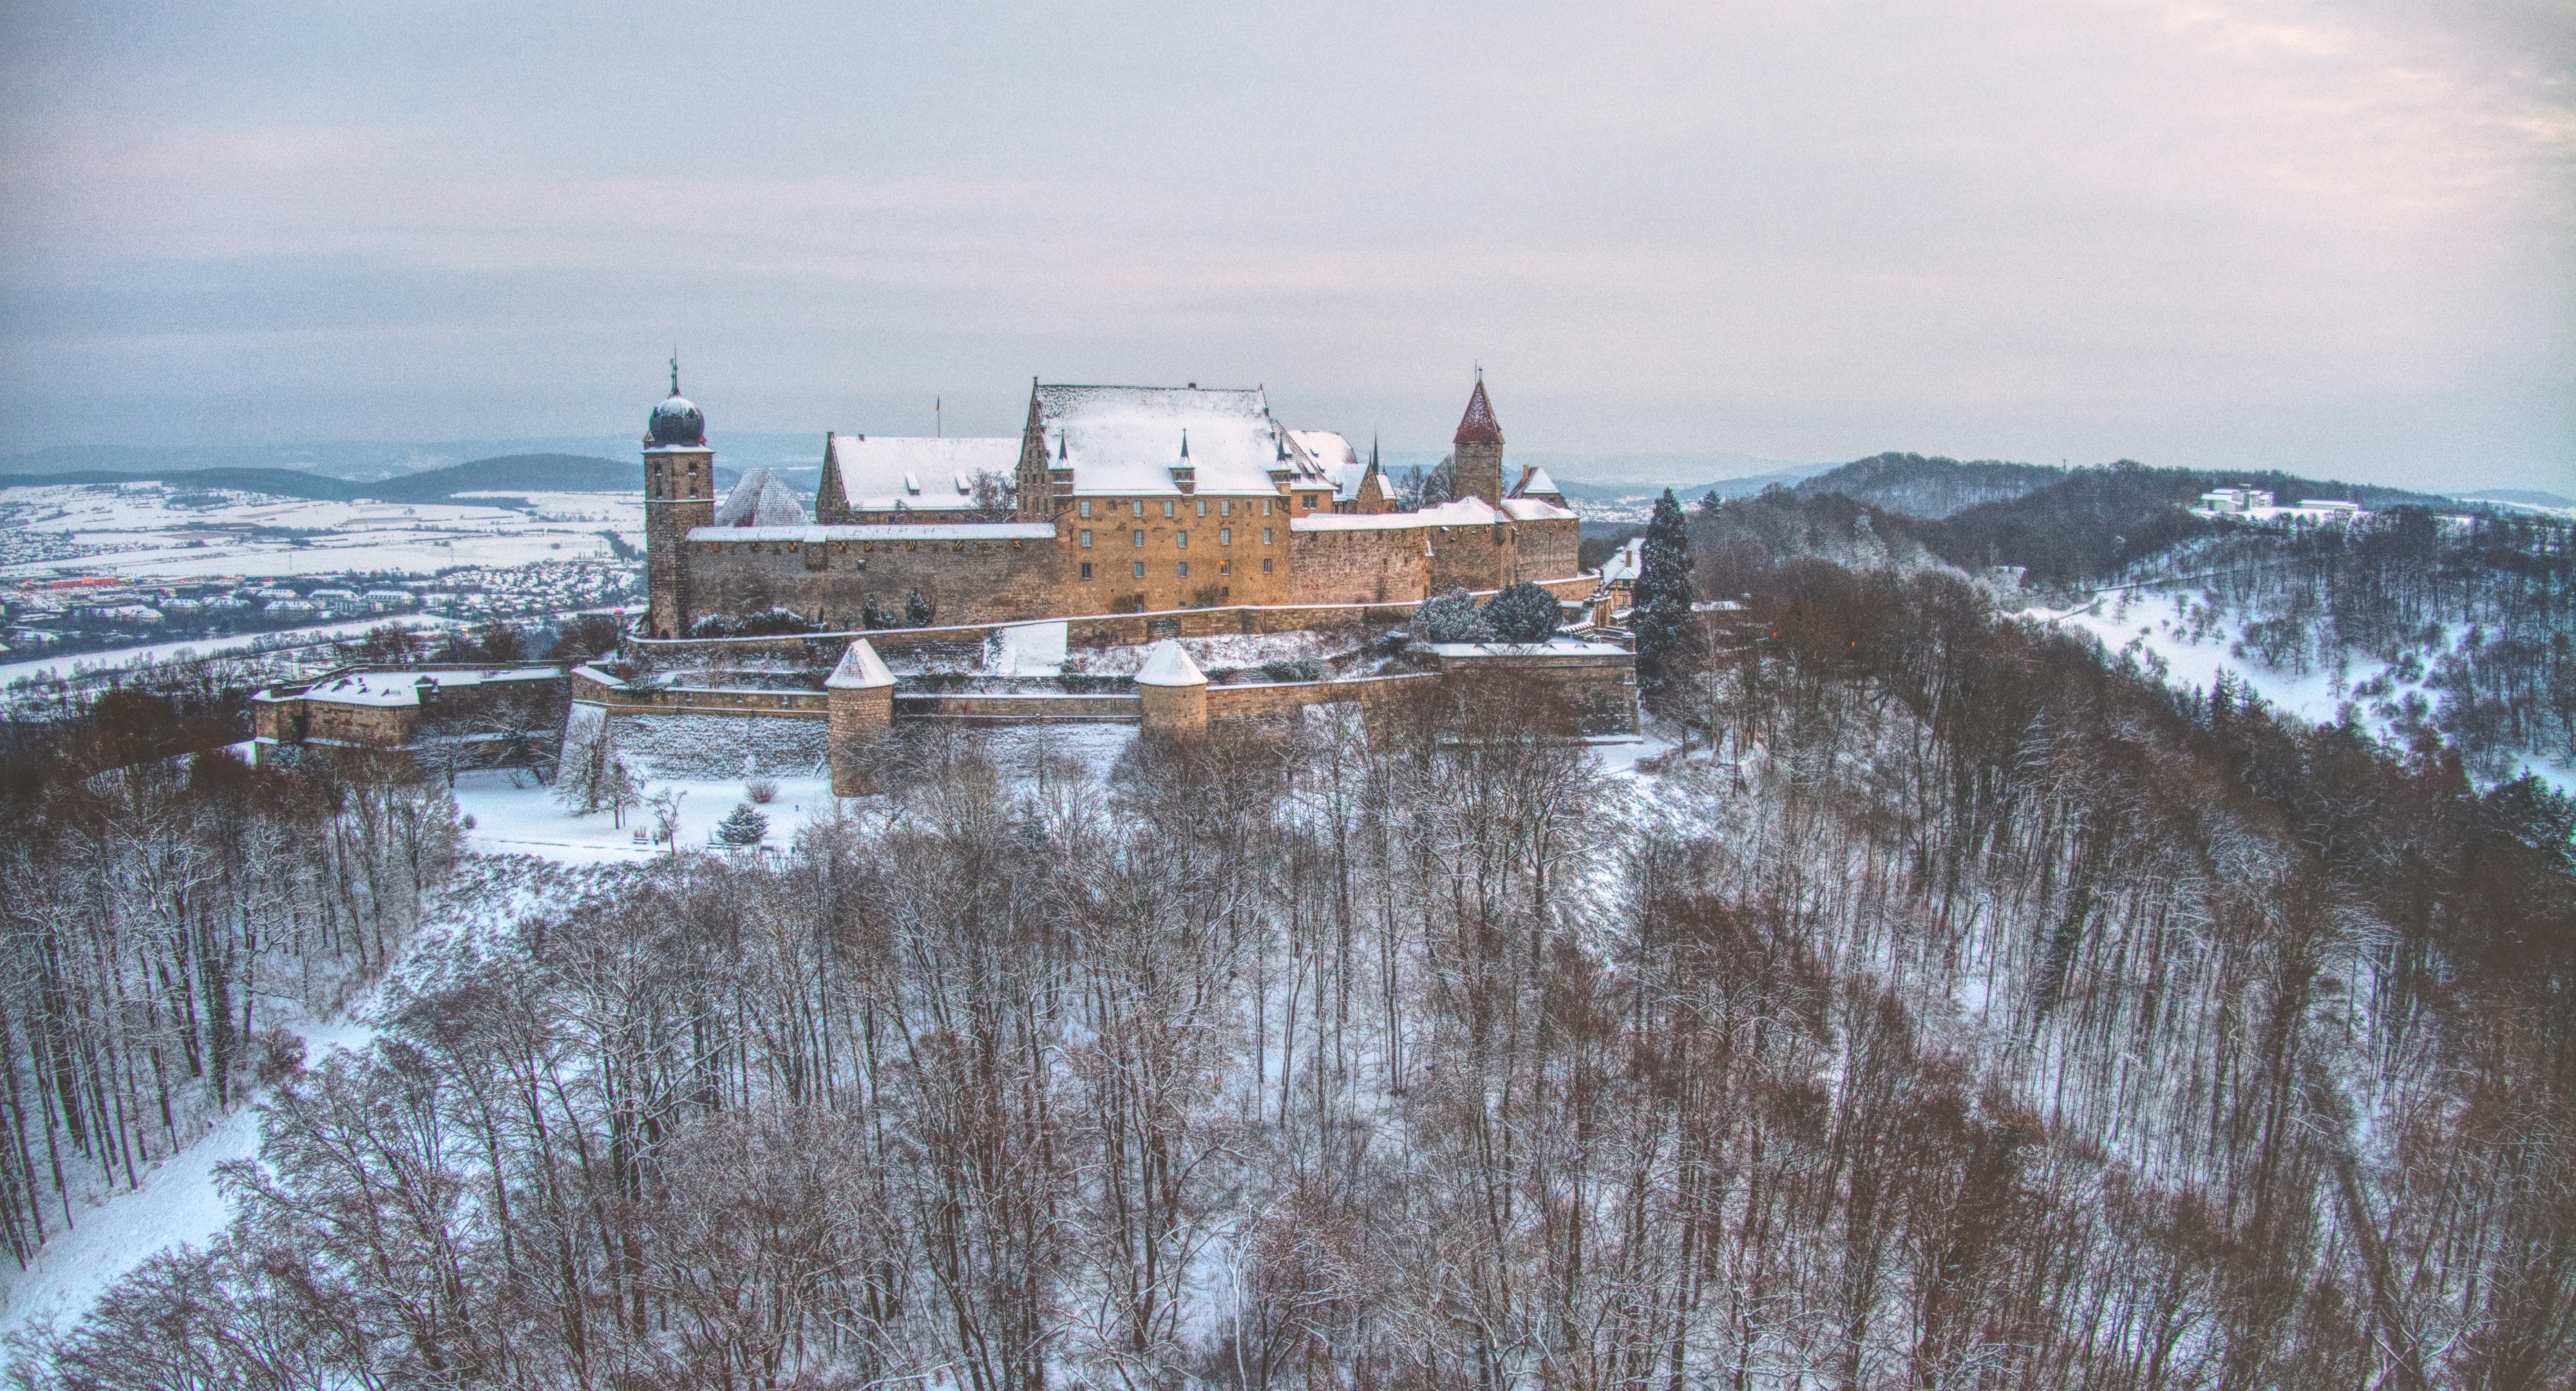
{"points": [[179, 1200], [83, 663], [132, 531], [2149, 624]]}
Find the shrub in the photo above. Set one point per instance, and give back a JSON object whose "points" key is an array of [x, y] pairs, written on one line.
{"points": [[761, 790], [1452, 617], [769, 623], [1522, 613], [1297, 669], [918, 611]]}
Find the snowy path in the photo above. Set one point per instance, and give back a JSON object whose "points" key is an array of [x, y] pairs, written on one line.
{"points": [[177, 1203]]}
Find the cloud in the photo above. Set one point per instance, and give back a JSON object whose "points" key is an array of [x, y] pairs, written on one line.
{"points": [[2278, 233]]}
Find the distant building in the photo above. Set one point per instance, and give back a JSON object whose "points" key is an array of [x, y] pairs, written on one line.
{"points": [[2235, 501]]}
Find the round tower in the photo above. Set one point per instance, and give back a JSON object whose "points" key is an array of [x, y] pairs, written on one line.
{"points": [[679, 494]]}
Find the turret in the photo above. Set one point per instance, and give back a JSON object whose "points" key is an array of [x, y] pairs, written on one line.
{"points": [[1479, 444], [679, 494]]}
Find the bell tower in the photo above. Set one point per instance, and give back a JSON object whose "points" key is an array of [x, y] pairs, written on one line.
{"points": [[679, 494], [1479, 445]]}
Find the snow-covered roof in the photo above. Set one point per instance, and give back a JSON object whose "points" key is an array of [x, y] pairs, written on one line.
{"points": [[1170, 665], [1560, 647], [861, 669], [885, 531], [879, 474], [1127, 439], [400, 687], [1466, 511], [1336, 456], [761, 498], [1625, 563], [1536, 482]]}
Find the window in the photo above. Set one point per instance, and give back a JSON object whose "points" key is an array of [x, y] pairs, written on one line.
{"points": [[1310, 502], [1167, 507], [1086, 569], [1181, 539], [1140, 507], [1226, 508], [1265, 565], [1265, 536], [1225, 536], [1265, 507], [1225, 567], [1086, 538], [1086, 507], [1140, 565], [1140, 536], [1185, 569], [1202, 507]]}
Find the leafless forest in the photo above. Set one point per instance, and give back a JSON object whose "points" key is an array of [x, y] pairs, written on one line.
{"points": [[1972, 1015]]}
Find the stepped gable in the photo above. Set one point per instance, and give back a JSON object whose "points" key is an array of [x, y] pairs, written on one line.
{"points": [[1477, 425]]}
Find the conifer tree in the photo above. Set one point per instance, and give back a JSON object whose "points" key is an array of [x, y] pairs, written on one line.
{"points": [[1661, 605], [742, 826]]}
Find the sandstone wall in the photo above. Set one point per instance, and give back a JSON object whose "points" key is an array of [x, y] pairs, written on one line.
{"points": [[831, 582], [1360, 566]]}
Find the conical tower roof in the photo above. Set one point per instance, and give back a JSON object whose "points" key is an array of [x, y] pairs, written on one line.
{"points": [[1477, 426]]}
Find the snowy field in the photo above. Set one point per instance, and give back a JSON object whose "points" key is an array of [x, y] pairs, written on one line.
{"points": [[132, 531]]}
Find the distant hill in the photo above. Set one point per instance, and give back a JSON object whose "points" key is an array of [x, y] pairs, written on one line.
{"points": [[516, 473], [2521, 497], [1934, 487]]}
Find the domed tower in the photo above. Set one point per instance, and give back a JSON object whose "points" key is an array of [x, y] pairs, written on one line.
{"points": [[1479, 444], [679, 493]]}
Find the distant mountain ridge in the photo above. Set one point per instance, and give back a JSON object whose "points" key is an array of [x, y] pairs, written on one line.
{"points": [[513, 473]]}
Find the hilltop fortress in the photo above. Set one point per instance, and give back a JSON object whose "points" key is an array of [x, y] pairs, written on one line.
{"points": [[1112, 500]]}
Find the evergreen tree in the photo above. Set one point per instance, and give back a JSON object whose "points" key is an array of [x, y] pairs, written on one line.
{"points": [[1661, 605], [742, 827], [1451, 617], [1523, 612]]}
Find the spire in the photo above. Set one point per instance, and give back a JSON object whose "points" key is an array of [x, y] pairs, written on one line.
{"points": [[675, 370], [1477, 426], [1059, 446], [1372, 454], [1185, 444]]}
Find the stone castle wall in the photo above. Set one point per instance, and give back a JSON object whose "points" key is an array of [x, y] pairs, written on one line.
{"points": [[1361, 566]]}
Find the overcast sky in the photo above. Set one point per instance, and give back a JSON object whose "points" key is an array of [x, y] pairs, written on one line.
{"points": [[2337, 238]]}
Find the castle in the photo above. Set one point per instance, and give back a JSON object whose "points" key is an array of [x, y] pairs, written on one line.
{"points": [[1113, 499]]}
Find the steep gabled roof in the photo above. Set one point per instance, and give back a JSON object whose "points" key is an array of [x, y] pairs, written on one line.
{"points": [[1477, 425], [761, 498]]}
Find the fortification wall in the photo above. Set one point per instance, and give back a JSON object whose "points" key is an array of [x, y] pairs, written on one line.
{"points": [[832, 581], [1273, 698], [1548, 549], [1087, 630], [1360, 566]]}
